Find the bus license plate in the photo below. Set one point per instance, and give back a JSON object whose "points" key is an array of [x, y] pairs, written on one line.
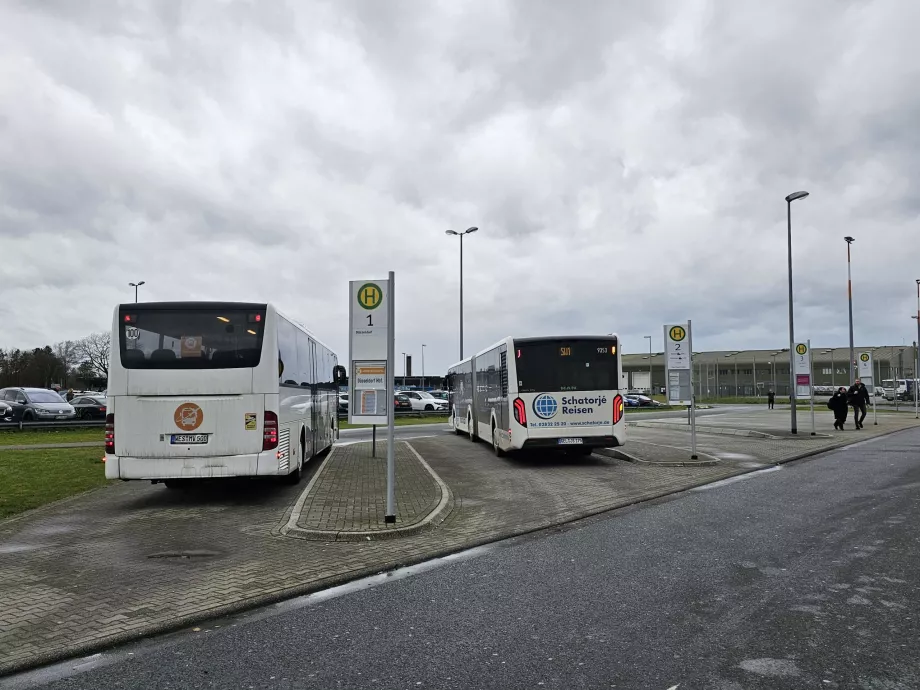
{"points": [[570, 441], [190, 439]]}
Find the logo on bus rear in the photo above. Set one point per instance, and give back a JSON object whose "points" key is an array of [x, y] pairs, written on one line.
{"points": [[545, 406], [188, 416]]}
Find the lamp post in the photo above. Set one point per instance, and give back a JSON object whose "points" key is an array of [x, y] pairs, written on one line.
{"points": [[460, 235], [405, 366], [849, 240], [136, 286], [649, 364], [423, 366], [789, 199], [917, 366]]}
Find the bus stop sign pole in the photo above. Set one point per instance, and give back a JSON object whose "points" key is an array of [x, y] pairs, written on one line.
{"points": [[390, 516], [693, 455]]}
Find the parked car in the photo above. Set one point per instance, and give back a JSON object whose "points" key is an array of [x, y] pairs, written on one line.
{"points": [[89, 406], [343, 403], [645, 401], [631, 401], [402, 403], [440, 394], [425, 401], [36, 404], [6, 412]]}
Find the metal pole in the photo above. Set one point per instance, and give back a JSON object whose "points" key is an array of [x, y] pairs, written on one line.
{"points": [[373, 440], [461, 295], [917, 366], [693, 455], [390, 516], [794, 427], [833, 371], [850, 300], [736, 377], [876, 384], [811, 379], [423, 367], [650, 387], [754, 361], [135, 294]]}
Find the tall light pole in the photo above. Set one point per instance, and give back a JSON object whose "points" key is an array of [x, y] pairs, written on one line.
{"points": [[917, 366], [136, 286], [849, 240], [405, 366], [789, 199], [460, 235], [423, 365], [649, 364]]}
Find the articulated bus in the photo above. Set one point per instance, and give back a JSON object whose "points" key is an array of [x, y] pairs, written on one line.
{"points": [[524, 393], [216, 389]]}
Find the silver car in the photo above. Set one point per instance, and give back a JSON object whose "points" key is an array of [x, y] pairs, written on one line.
{"points": [[36, 404]]}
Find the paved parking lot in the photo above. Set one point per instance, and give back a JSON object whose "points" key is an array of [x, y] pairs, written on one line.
{"points": [[133, 559]]}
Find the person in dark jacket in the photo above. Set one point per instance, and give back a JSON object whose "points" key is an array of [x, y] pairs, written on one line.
{"points": [[858, 397], [839, 404], [771, 398]]}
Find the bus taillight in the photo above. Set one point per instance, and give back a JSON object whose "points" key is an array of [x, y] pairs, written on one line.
{"points": [[270, 431], [520, 412], [110, 434], [617, 408]]}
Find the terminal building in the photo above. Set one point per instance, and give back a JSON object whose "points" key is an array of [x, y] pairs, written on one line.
{"points": [[747, 373]]}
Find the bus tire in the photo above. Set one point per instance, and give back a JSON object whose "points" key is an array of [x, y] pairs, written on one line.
{"points": [[293, 478], [495, 447]]}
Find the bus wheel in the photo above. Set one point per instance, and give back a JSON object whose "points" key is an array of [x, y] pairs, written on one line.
{"points": [[495, 447], [294, 477]]}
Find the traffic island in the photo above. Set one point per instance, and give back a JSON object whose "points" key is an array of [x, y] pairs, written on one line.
{"points": [[660, 456], [346, 499]]}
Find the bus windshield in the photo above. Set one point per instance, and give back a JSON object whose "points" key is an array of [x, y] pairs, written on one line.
{"points": [[211, 338], [566, 365]]}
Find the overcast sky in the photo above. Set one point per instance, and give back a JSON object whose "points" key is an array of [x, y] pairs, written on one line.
{"points": [[626, 163]]}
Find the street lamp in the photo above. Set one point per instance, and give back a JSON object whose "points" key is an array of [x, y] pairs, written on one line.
{"points": [[136, 286], [405, 366], [849, 240], [649, 364], [460, 235], [789, 199], [423, 365], [917, 367]]}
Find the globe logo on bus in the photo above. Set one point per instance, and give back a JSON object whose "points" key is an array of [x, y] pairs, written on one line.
{"points": [[545, 406]]}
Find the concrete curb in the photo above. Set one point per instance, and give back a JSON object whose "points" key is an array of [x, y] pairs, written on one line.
{"points": [[283, 594], [628, 457], [290, 528], [723, 431]]}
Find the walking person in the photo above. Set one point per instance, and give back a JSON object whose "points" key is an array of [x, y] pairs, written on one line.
{"points": [[858, 397], [771, 398], [840, 405]]}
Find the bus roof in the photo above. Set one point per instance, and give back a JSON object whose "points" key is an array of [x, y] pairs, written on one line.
{"points": [[535, 339]]}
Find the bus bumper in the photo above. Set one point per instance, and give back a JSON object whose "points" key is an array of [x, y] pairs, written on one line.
{"points": [[255, 464], [586, 442]]}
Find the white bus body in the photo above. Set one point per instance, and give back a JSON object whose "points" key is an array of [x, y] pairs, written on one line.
{"points": [[216, 389], [525, 393]]}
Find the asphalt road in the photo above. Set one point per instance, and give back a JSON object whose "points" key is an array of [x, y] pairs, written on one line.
{"points": [[800, 577]]}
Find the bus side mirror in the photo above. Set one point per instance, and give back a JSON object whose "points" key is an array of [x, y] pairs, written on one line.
{"points": [[339, 375], [449, 381]]}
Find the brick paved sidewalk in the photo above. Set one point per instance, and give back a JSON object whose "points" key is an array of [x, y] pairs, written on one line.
{"points": [[346, 501]]}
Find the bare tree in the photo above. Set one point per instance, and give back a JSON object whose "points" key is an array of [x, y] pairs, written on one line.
{"points": [[94, 349], [66, 352]]}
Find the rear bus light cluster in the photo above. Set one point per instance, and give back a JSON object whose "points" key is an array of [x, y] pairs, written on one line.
{"points": [[110, 434], [270, 431], [520, 412], [618, 404]]}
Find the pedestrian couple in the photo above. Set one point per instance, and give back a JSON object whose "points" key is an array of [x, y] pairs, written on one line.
{"points": [[856, 396]]}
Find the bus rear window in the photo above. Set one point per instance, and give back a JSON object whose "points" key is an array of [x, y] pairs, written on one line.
{"points": [[554, 366], [191, 339]]}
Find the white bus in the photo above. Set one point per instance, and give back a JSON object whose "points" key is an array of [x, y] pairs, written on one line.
{"points": [[216, 389], [525, 393]]}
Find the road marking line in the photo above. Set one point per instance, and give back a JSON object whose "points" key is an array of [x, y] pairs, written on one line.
{"points": [[732, 480]]}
